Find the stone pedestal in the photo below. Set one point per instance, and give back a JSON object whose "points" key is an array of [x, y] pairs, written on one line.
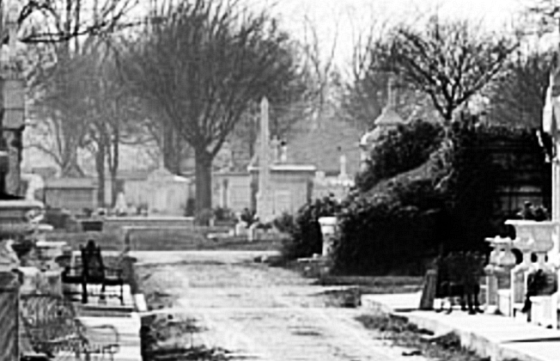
{"points": [[328, 230], [500, 262], [491, 281]]}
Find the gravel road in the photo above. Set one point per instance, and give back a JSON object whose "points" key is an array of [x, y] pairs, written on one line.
{"points": [[259, 312]]}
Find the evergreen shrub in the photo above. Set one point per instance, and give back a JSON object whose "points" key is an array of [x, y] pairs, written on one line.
{"points": [[393, 231], [284, 223], [449, 203], [400, 150]]}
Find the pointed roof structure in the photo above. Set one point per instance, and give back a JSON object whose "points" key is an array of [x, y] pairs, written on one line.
{"points": [[388, 119]]}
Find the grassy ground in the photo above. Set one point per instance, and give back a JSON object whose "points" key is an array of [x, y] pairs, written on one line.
{"points": [[419, 342], [171, 337]]}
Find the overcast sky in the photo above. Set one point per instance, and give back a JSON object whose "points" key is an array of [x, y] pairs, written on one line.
{"points": [[345, 19]]}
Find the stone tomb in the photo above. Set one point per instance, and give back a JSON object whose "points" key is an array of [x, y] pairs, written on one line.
{"points": [[290, 187]]}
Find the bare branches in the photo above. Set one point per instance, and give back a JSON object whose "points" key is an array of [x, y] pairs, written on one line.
{"points": [[54, 21], [449, 62], [204, 63], [518, 97]]}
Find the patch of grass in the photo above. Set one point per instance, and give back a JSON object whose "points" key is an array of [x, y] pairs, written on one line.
{"points": [[349, 297], [375, 284], [198, 353], [405, 334], [366, 284]]}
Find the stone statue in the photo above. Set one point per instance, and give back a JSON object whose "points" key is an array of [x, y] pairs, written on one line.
{"points": [[8, 257]]}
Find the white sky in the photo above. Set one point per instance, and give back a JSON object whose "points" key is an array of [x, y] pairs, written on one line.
{"points": [[344, 19]]}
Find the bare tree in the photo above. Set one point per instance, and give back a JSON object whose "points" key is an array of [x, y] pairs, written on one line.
{"points": [[449, 61], [54, 64], [202, 65], [113, 113], [58, 91], [518, 97], [81, 103], [364, 92], [54, 21]]}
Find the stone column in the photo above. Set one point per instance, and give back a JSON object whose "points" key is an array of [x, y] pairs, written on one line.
{"points": [[555, 252], [328, 231], [264, 195]]}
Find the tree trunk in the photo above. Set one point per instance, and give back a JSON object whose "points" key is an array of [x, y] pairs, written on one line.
{"points": [[114, 164], [70, 167], [172, 148], [203, 176], [100, 167]]}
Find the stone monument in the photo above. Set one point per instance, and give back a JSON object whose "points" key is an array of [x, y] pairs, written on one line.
{"points": [[264, 195]]}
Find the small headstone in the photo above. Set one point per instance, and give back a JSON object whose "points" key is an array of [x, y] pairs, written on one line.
{"points": [[429, 291], [241, 229]]}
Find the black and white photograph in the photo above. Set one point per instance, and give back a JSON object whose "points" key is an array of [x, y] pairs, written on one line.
{"points": [[279, 180]]}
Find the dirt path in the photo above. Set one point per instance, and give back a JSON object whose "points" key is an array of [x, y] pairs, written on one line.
{"points": [[258, 312]]}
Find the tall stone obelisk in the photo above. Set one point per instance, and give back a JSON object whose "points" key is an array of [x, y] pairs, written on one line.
{"points": [[264, 195]]}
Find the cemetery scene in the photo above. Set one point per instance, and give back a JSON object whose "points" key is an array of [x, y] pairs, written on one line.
{"points": [[215, 180]]}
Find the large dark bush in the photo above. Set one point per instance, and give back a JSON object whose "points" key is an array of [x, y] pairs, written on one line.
{"points": [[389, 231], [451, 202], [305, 235], [284, 223], [473, 166], [400, 150]]}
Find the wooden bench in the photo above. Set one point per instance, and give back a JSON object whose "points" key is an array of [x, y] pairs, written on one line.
{"points": [[93, 271], [49, 327], [458, 276]]}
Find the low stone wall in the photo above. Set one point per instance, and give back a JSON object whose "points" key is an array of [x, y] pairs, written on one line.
{"points": [[116, 224]]}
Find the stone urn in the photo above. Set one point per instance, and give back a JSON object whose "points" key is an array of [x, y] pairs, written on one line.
{"points": [[501, 258], [537, 237], [329, 227]]}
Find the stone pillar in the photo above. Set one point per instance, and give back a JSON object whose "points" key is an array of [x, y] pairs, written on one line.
{"points": [[555, 252], [491, 281], [500, 262], [264, 195], [328, 231]]}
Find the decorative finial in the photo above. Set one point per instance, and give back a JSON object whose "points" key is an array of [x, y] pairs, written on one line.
{"points": [[391, 92]]}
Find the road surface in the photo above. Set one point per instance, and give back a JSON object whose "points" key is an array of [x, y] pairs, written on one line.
{"points": [[259, 312]]}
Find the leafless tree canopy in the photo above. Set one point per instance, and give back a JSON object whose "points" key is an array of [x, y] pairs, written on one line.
{"points": [[450, 62], [366, 92], [51, 21], [518, 97], [201, 66]]}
